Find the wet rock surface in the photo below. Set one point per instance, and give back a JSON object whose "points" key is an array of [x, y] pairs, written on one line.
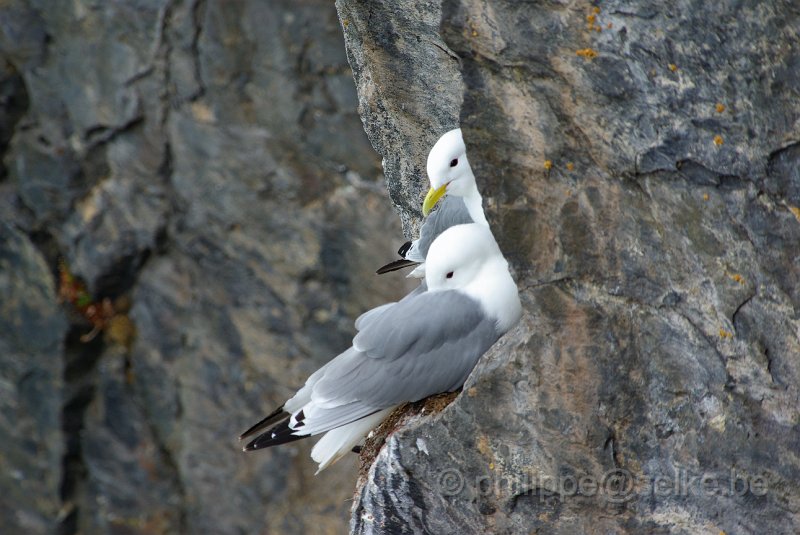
{"points": [[639, 168]]}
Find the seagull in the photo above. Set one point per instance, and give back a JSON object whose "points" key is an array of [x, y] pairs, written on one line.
{"points": [[451, 177], [427, 343]]}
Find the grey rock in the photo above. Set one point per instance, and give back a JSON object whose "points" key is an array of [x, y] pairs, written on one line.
{"points": [[124, 457], [205, 161], [22, 34], [32, 331], [396, 49], [13, 103], [658, 270]]}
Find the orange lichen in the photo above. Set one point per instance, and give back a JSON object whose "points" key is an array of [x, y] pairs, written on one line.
{"points": [[672, 67], [718, 140], [738, 278], [720, 107], [102, 315], [705, 196], [570, 166], [483, 445], [591, 20], [548, 164], [120, 329], [725, 334], [796, 211], [586, 53]]}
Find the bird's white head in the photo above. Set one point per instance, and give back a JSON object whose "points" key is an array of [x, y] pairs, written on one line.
{"points": [[448, 170], [457, 256], [467, 258]]}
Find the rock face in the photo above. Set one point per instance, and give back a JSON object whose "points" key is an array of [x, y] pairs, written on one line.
{"points": [[204, 162], [640, 170], [31, 390], [200, 164]]}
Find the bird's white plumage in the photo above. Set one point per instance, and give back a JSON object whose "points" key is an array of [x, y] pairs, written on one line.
{"points": [[448, 166], [459, 178], [487, 280], [425, 344], [337, 442]]}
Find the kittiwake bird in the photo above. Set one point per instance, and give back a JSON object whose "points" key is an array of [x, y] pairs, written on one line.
{"points": [[425, 344], [450, 177]]}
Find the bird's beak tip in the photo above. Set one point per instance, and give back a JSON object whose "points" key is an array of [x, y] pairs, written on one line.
{"points": [[433, 196]]}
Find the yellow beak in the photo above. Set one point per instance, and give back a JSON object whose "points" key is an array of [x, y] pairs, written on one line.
{"points": [[432, 198]]}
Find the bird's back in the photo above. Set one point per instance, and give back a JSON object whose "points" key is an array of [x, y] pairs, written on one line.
{"points": [[451, 211]]}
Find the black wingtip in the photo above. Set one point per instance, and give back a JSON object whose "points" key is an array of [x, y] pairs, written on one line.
{"points": [[404, 248], [394, 266], [280, 434], [271, 419]]}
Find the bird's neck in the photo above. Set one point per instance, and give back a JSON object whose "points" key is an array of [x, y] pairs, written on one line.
{"points": [[496, 291], [474, 203]]}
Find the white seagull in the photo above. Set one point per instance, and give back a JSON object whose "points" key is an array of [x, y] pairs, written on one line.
{"points": [[425, 344], [451, 177]]}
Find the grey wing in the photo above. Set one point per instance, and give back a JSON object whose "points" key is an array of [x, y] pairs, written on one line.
{"points": [[371, 315], [423, 346], [452, 211]]}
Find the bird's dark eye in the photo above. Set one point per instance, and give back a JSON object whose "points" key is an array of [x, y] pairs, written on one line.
{"points": [[449, 275], [454, 162]]}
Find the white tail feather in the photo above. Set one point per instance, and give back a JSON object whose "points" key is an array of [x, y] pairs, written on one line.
{"points": [[337, 442], [417, 273]]}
